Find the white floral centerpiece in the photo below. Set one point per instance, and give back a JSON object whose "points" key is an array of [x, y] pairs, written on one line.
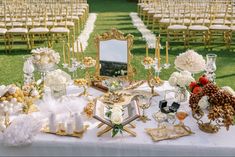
{"points": [[180, 80], [115, 114], [190, 61], [57, 81], [45, 58]]}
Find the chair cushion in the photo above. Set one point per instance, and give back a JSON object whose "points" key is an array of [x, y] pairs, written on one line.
{"points": [[151, 11], [73, 17], [177, 27], [14, 24], [69, 23], [219, 27], [146, 9], [200, 21], [157, 15], [2, 24], [18, 30], [198, 28], [186, 21], [167, 21], [39, 30], [3, 31], [59, 30], [232, 28], [221, 21], [51, 23], [30, 23]]}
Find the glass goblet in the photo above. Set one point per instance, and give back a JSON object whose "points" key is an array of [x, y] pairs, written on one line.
{"points": [[144, 103], [181, 115]]}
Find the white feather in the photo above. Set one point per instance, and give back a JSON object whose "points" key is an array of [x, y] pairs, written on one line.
{"points": [[21, 131]]}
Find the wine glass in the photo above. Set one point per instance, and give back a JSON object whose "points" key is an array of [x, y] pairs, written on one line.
{"points": [[181, 115], [144, 103]]}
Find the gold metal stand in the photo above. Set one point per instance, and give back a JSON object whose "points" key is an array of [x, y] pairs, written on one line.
{"points": [[108, 128]]}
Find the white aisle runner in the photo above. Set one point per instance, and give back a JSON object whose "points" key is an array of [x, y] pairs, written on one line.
{"points": [[85, 35], [146, 33]]}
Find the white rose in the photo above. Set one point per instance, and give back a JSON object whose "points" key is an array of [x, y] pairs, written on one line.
{"points": [[2, 90], [12, 90], [188, 80], [116, 118], [175, 74], [186, 73], [37, 57], [34, 93], [203, 102], [173, 81], [117, 109], [45, 60]]}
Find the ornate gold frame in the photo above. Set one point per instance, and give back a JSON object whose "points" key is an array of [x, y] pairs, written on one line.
{"points": [[118, 35]]}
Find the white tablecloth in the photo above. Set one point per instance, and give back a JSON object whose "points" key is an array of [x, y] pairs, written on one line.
{"points": [[199, 144]]}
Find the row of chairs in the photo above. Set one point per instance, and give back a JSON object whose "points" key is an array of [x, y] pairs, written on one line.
{"points": [[45, 21], [191, 21]]}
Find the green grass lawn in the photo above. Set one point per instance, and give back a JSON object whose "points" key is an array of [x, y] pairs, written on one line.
{"points": [[115, 14]]}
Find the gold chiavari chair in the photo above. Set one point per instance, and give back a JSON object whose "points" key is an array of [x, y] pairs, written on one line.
{"points": [[178, 32], [57, 33], [41, 31], [220, 31], [16, 29], [3, 29], [198, 29]]}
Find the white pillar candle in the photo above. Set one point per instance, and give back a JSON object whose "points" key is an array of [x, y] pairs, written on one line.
{"points": [[69, 129], [78, 123], [52, 123]]}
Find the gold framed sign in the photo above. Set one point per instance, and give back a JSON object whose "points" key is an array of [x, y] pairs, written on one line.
{"points": [[114, 55]]}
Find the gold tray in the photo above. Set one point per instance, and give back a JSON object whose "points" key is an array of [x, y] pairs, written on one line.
{"points": [[186, 131], [63, 133]]}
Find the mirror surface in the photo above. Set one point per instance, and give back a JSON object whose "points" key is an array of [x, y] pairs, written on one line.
{"points": [[113, 57]]}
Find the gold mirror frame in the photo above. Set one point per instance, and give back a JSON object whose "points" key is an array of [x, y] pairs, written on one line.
{"points": [[118, 35]]}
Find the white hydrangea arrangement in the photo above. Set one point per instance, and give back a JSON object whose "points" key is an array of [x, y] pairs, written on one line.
{"points": [[181, 79], [57, 78], [190, 61], [45, 57]]}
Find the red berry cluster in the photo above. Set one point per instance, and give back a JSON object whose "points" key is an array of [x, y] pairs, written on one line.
{"points": [[196, 87]]}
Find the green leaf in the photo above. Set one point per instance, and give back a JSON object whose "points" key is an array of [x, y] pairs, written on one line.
{"points": [[108, 114], [116, 129]]}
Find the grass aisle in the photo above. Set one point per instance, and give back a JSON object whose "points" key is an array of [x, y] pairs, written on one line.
{"points": [[115, 14]]}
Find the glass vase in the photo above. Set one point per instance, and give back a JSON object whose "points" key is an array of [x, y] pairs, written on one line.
{"points": [[58, 90], [181, 94]]}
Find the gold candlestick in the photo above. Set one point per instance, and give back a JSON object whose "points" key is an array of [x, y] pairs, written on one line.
{"points": [[167, 52], [159, 53], [81, 49], [68, 54], [77, 50], [64, 56], [156, 48], [73, 52]]}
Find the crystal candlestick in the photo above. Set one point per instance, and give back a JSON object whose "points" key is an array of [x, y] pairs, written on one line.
{"points": [[211, 67]]}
